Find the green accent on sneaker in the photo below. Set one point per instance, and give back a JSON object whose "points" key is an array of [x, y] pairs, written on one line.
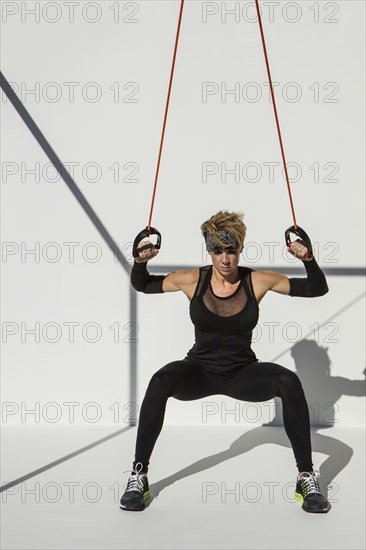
{"points": [[299, 497]]}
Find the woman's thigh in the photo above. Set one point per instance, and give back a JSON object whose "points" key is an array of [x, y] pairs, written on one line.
{"points": [[258, 382], [186, 380]]}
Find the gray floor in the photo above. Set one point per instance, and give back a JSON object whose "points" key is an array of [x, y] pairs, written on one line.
{"points": [[212, 487]]}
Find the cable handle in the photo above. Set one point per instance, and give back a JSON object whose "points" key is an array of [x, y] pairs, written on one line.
{"points": [[304, 239], [145, 233]]}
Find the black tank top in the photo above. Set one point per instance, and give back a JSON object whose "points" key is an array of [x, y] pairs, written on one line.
{"points": [[223, 325]]}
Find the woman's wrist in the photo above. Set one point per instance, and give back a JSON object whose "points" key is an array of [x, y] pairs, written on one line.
{"points": [[137, 265]]}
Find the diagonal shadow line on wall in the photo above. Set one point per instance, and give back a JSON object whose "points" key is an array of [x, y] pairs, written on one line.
{"points": [[49, 151], [7, 486]]}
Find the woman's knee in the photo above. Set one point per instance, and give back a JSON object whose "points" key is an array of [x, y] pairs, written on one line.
{"points": [[289, 384], [161, 382]]}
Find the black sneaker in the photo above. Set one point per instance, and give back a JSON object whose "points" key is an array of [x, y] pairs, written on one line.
{"points": [[137, 490], [308, 493]]}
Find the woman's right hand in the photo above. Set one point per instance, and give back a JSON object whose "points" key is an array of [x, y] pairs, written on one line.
{"points": [[149, 252]]}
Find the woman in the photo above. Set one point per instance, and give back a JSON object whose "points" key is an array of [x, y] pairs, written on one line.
{"points": [[224, 299]]}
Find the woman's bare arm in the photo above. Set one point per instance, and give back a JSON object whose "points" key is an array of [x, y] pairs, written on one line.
{"points": [[182, 280], [263, 281]]}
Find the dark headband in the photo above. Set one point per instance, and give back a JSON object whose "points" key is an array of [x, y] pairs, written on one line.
{"points": [[225, 235]]}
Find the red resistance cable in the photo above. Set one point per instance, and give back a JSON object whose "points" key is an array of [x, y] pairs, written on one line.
{"points": [[166, 111], [275, 110]]}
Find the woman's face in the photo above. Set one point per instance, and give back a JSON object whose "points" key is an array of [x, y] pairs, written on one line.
{"points": [[225, 260]]}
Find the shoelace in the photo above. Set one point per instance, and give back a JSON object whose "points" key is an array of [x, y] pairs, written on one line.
{"points": [[311, 482], [135, 481]]}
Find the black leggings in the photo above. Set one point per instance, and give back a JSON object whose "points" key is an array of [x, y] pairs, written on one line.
{"points": [[187, 380]]}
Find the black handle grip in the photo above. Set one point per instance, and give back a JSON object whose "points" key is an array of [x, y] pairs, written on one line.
{"points": [[304, 239], [145, 233]]}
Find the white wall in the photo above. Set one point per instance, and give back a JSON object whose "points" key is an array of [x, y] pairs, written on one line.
{"points": [[316, 55]]}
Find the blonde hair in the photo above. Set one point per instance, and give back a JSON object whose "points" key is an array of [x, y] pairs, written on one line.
{"points": [[227, 221]]}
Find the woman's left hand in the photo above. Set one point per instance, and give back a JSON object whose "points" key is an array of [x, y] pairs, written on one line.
{"points": [[299, 250]]}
